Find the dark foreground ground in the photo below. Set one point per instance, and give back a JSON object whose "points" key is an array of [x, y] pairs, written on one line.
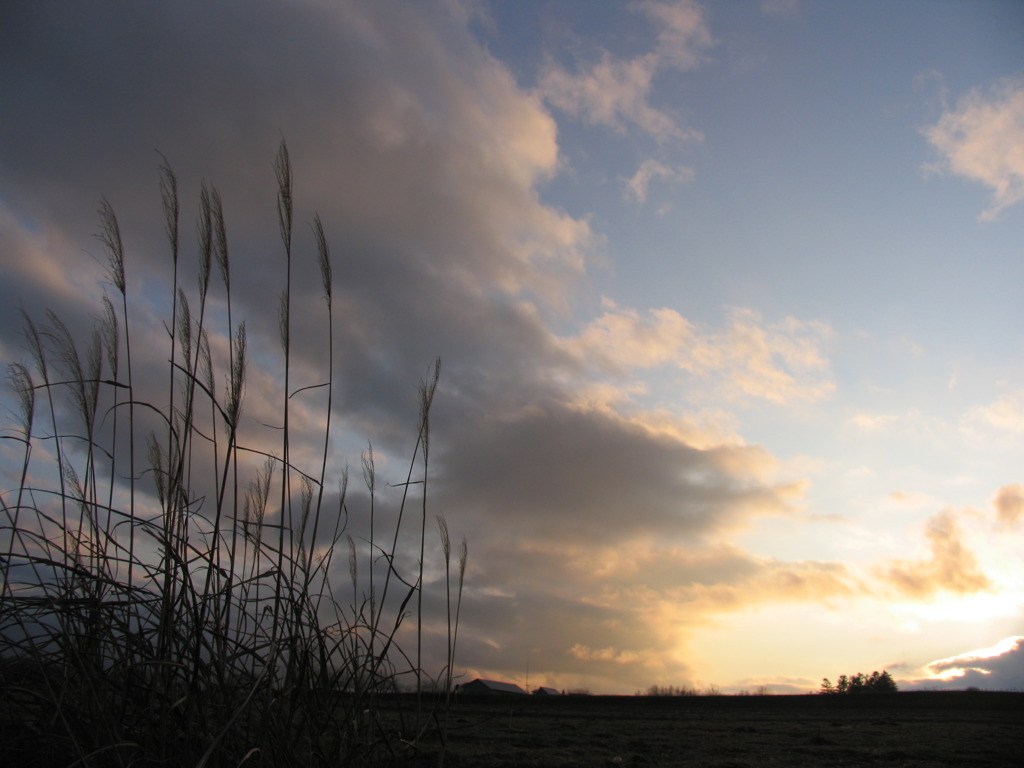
{"points": [[905, 729]]}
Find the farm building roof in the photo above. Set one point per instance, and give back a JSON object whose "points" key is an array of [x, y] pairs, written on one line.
{"points": [[490, 686]]}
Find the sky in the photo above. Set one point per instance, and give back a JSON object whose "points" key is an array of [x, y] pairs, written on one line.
{"points": [[727, 297]]}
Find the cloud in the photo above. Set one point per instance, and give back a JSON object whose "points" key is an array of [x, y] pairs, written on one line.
{"points": [[48, 263], [1004, 415], [872, 422], [615, 92], [1009, 504], [409, 200], [563, 474], [999, 668], [952, 567], [636, 186], [423, 158], [780, 7], [611, 93], [982, 139], [620, 616], [599, 519], [783, 362], [682, 32]]}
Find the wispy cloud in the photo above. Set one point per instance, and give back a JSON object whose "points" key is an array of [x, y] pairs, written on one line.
{"points": [[649, 170], [1004, 415], [616, 92], [872, 422], [780, 7], [683, 35], [982, 139]]}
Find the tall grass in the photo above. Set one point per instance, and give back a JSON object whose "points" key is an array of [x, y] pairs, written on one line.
{"points": [[177, 609]]}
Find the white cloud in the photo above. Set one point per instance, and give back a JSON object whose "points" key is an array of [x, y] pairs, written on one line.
{"points": [[612, 93], [616, 92], [982, 139]]}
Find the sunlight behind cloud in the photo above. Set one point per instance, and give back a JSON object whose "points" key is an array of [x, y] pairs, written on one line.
{"points": [[970, 609], [997, 667]]}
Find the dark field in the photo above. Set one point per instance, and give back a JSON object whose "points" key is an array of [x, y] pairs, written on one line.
{"points": [[905, 729]]}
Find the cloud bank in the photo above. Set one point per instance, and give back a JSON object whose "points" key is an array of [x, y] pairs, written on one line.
{"points": [[422, 156]]}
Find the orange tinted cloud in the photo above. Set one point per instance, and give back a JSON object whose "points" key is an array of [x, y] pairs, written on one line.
{"points": [[952, 567], [782, 362], [1009, 505]]}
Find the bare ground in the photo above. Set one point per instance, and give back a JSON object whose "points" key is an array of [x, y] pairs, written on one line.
{"points": [[979, 729]]}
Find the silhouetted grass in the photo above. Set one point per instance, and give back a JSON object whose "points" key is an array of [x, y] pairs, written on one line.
{"points": [[178, 611]]}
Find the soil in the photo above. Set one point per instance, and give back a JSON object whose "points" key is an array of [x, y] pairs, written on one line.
{"points": [[892, 731]]}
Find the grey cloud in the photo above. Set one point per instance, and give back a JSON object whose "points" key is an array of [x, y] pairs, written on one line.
{"points": [[418, 150], [422, 156], [554, 471], [997, 669]]}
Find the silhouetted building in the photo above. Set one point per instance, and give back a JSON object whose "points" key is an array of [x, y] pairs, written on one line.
{"points": [[490, 687], [544, 691]]}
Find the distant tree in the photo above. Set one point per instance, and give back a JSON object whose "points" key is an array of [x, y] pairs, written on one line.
{"points": [[883, 683], [673, 690], [876, 682]]}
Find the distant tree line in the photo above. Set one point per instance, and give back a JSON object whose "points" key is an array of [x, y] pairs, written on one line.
{"points": [[860, 683], [681, 690]]}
